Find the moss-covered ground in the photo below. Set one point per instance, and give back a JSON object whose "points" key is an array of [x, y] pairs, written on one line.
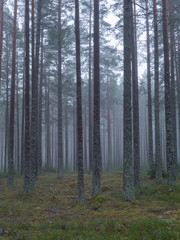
{"points": [[52, 212]]}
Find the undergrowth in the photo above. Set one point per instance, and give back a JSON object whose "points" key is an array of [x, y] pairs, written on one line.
{"points": [[51, 211]]}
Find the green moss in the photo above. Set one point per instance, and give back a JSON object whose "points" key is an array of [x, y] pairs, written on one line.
{"points": [[100, 198]]}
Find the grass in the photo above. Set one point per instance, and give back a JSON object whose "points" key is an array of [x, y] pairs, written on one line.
{"points": [[51, 211]]}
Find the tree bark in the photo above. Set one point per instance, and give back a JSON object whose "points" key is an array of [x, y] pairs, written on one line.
{"points": [[128, 168], [79, 108], [169, 137]]}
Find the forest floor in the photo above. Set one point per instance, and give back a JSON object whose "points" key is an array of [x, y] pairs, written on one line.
{"points": [[51, 211]]}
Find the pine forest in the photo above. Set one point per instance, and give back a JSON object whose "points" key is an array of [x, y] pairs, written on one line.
{"points": [[90, 119]]}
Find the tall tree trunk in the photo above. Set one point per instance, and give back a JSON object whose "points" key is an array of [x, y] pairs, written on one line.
{"points": [[60, 136], [79, 108], [169, 128], [90, 93], [12, 104], [27, 106], [1, 34], [7, 107], [173, 94], [109, 165], [38, 36], [33, 110], [39, 157], [96, 124], [158, 159], [136, 148], [17, 119], [128, 171], [150, 136]]}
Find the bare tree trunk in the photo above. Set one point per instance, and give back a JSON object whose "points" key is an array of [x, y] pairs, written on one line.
{"points": [[27, 107], [60, 131], [12, 104], [128, 171], [79, 108], [97, 163], [168, 109]]}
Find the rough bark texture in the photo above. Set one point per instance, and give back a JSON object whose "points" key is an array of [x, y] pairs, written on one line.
{"points": [[158, 159], [169, 128], [136, 144], [27, 107], [128, 167], [12, 104], [79, 108], [96, 125], [60, 136], [173, 94]]}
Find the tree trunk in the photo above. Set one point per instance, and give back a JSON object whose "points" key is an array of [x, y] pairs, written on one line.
{"points": [[169, 128], [136, 148], [96, 124], [12, 104], [128, 170], [27, 107], [79, 108], [60, 136]]}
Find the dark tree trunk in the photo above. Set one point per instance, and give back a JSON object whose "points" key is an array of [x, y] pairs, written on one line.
{"points": [[158, 159], [12, 104], [60, 136], [136, 148], [173, 94], [90, 93], [39, 157], [27, 101], [128, 168], [79, 108], [33, 110], [96, 124], [7, 108], [17, 119], [169, 128]]}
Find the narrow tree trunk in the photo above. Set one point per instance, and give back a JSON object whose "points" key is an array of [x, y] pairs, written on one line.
{"points": [[136, 148], [79, 108], [17, 119], [173, 94], [7, 108], [60, 136], [96, 124], [1, 34], [27, 107], [12, 104], [158, 159], [90, 93]]}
